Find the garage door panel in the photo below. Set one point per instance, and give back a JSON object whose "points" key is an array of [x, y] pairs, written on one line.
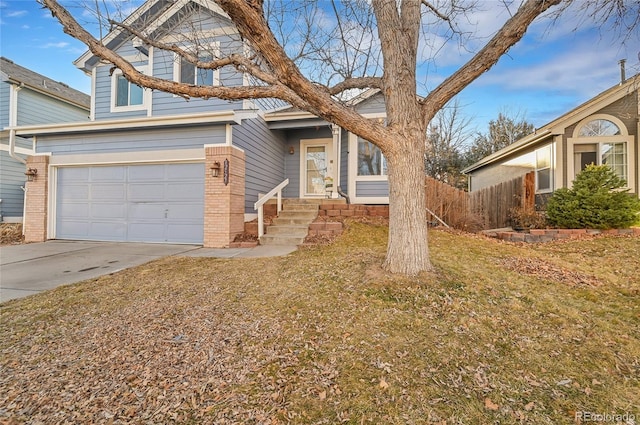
{"points": [[73, 174], [74, 192], [146, 192], [185, 211], [108, 230], [76, 210], [142, 203], [103, 191], [116, 212], [108, 174], [74, 229], [146, 211], [185, 172], [183, 233], [147, 232], [153, 173], [182, 191]]}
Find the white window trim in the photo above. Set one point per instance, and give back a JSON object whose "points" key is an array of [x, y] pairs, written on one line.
{"points": [[215, 46], [304, 143], [354, 178], [551, 167], [114, 91], [624, 137]]}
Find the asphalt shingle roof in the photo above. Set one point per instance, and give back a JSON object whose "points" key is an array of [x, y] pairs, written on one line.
{"points": [[19, 74]]}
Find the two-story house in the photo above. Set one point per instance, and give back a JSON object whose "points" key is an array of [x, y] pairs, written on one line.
{"points": [[28, 98], [153, 167]]}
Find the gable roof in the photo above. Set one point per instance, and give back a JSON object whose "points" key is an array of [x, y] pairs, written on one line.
{"points": [[558, 125], [17, 74], [150, 16]]}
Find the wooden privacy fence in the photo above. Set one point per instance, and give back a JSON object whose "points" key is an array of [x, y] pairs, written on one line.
{"points": [[488, 208]]}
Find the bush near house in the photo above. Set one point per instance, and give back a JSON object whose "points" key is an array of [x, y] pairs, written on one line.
{"points": [[596, 201]]}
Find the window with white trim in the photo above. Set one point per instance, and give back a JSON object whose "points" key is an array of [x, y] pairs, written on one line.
{"points": [[371, 161], [125, 95], [186, 72], [599, 147], [544, 174]]}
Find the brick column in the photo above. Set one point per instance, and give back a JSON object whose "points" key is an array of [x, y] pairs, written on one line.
{"points": [[36, 209], [223, 204]]}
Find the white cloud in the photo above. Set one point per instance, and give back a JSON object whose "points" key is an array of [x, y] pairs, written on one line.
{"points": [[58, 45], [16, 14]]}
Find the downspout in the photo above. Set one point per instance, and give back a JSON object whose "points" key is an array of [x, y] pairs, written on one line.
{"points": [[337, 142]]}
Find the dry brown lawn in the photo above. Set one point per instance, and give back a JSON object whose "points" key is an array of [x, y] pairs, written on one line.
{"points": [[501, 333]]}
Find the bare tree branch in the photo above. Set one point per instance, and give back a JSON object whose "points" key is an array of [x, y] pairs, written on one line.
{"points": [[356, 83], [512, 31]]}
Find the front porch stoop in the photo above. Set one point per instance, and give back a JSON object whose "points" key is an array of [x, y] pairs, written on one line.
{"points": [[292, 224]]}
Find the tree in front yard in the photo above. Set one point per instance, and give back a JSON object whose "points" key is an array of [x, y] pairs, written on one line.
{"points": [[597, 200], [308, 52]]}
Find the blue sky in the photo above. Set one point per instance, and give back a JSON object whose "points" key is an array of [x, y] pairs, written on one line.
{"points": [[550, 71]]}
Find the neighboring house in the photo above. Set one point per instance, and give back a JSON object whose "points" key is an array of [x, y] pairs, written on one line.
{"points": [[28, 98], [603, 130], [143, 168]]}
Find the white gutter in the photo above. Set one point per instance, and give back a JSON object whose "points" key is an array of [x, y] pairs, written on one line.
{"points": [[13, 120], [512, 148], [139, 122]]}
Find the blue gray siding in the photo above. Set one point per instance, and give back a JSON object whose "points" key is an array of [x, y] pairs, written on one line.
{"points": [[372, 189], [264, 155], [102, 97], [169, 104], [10, 192], [375, 104], [132, 140], [37, 108], [4, 104]]}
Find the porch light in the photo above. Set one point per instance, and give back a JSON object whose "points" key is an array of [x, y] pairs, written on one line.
{"points": [[31, 174], [215, 169], [291, 150]]}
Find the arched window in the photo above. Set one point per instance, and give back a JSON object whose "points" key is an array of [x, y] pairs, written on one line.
{"points": [[599, 127], [601, 141]]}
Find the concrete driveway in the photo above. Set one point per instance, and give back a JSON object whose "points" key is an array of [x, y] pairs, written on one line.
{"points": [[31, 268], [36, 267]]}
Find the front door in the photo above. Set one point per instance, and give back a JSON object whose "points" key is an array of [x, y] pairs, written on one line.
{"points": [[316, 166]]}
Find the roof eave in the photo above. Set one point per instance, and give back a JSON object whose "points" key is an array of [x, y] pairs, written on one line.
{"points": [[226, 117], [509, 150]]}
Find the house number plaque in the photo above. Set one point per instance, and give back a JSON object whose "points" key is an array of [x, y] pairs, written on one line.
{"points": [[225, 172]]}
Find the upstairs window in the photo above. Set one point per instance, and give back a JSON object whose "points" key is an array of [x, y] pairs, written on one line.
{"points": [[187, 73], [126, 96]]}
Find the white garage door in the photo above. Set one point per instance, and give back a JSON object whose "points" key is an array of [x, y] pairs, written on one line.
{"points": [[132, 203]]}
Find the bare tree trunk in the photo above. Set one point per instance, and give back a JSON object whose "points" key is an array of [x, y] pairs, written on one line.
{"points": [[407, 248]]}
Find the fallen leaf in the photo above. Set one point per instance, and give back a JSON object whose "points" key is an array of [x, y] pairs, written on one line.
{"points": [[322, 395], [383, 384], [529, 406], [490, 404]]}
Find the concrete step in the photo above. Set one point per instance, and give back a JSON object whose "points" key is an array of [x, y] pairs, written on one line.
{"points": [[281, 240], [297, 230], [283, 221], [299, 207], [306, 215]]}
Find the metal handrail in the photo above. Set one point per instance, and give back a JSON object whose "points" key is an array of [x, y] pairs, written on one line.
{"points": [[263, 199]]}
